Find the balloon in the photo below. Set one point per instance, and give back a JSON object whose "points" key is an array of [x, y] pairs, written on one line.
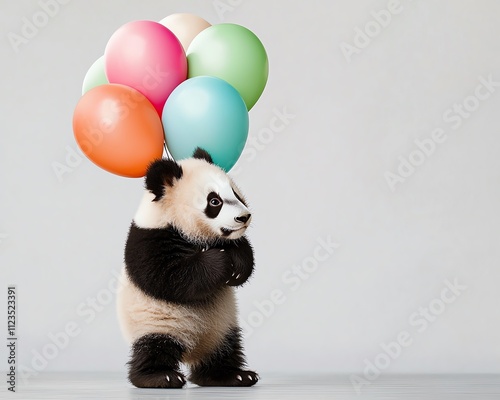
{"points": [[185, 27], [209, 113], [118, 129], [233, 53], [146, 56], [96, 75]]}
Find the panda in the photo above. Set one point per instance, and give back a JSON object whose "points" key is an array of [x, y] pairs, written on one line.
{"points": [[185, 253]]}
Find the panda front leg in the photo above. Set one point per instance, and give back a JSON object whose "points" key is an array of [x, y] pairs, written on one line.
{"points": [[155, 362], [240, 253], [225, 366]]}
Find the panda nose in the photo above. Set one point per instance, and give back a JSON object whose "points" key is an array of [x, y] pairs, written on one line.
{"points": [[243, 218]]}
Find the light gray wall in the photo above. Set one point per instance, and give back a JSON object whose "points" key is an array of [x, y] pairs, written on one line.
{"points": [[320, 178]]}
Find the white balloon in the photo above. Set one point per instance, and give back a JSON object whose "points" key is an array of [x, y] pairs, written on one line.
{"points": [[185, 26]]}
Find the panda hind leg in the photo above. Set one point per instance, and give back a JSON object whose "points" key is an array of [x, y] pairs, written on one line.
{"points": [[225, 367], [155, 362]]}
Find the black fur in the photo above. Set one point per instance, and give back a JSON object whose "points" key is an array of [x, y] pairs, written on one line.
{"points": [[155, 362], [224, 366], [212, 211], [166, 266], [160, 173], [239, 198], [203, 155], [241, 254]]}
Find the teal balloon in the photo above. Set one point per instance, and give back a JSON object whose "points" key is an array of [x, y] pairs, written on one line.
{"points": [[96, 76], [206, 112], [233, 53]]}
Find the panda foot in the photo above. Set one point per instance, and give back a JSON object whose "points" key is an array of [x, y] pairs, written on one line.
{"points": [[158, 379], [237, 378]]}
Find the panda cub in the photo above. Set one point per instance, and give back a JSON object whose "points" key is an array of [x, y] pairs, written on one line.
{"points": [[185, 253]]}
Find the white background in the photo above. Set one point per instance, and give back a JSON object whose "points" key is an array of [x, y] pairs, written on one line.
{"points": [[321, 176]]}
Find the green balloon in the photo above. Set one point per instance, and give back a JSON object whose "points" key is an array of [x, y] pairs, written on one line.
{"points": [[233, 53], [96, 76]]}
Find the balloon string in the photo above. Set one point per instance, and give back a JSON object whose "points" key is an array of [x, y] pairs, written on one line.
{"points": [[166, 151]]}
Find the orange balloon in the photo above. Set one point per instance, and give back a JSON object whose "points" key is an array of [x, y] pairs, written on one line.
{"points": [[118, 129]]}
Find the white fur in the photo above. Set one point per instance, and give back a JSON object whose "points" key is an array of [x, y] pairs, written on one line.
{"points": [[201, 329], [150, 214]]}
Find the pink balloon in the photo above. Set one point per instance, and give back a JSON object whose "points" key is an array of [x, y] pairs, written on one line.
{"points": [[148, 57]]}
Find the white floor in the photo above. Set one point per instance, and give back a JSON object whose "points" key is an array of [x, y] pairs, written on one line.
{"points": [[115, 386]]}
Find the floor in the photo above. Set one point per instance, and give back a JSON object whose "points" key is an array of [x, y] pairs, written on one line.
{"points": [[114, 386]]}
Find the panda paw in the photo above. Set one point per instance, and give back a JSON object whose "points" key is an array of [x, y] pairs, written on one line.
{"points": [[236, 278], [238, 272], [245, 378], [231, 269], [235, 378], [159, 379], [175, 379]]}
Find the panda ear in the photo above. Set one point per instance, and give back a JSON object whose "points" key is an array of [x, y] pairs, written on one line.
{"points": [[162, 173], [201, 154]]}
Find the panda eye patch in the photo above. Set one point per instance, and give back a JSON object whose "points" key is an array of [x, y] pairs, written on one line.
{"points": [[214, 205]]}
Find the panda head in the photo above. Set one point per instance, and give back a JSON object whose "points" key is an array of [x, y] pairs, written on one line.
{"points": [[196, 197]]}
